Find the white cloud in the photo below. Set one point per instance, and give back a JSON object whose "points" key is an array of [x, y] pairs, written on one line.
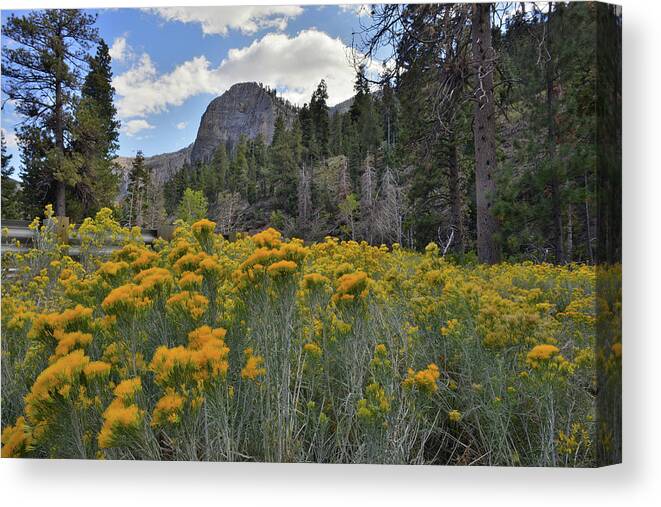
{"points": [[121, 51], [10, 138], [219, 20], [357, 9], [132, 127], [292, 65], [182, 125], [143, 91]]}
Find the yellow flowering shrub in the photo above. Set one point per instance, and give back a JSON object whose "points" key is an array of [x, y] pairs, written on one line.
{"points": [[203, 227], [54, 379], [168, 409], [127, 389], [119, 422], [16, 439], [264, 348], [351, 286], [204, 359], [253, 367], [112, 269], [313, 349], [281, 268], [67, 341], [190, 280], [312, 280], [375, 405], [425, 380], [542, 353], [97, 369], [268, 238], [191, 303], [126, 298]]}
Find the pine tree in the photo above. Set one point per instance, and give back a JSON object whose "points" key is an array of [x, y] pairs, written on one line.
{"points": [[336, 137], [319, 119], [238, 180], [35, 144], [308, 135], [361, 87], [42, 75], [261, 162], [96, 133], [284, 155], [366, 124], [220, 164], [10, 194], [138, 181], [174, 189]]}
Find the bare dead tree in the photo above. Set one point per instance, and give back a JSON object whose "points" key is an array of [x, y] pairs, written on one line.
{"points": [[368, 198], [230, 212], [304, 196], [390, 214]]}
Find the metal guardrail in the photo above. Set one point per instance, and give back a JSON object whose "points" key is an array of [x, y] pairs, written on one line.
{"points": [[18, 230]]}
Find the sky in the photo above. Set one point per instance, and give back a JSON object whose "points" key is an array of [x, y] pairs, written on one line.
{"points": [[169, 63]]}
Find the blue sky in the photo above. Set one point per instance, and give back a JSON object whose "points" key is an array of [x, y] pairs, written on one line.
{"points": [[169, 63]]}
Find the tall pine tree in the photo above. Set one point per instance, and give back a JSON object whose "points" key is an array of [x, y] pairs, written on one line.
{"points": [[96, 134], [42, 75]]}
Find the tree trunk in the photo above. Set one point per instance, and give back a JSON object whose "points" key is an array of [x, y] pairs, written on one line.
{"points": [[569, 250], [552, 141], [484, 132], [60, 199], [588, 219], [60, 189], [455, 196], [304, 198]]}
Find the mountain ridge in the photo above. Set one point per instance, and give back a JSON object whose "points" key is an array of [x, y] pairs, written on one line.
{"points": [[245, 109]]}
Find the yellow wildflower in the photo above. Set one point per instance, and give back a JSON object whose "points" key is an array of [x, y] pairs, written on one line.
{"points": [[314, 280], [127, 389], [424, 380], [542, 353], [313, 349], [454, 416], [267, 238], [97, 369], [351, 286], [253, 367], [118, 421], [67, 341], [168, 409], [193, 303], [16, 439], [190, 280], [202, 227], [281, 268], [128, 297]]}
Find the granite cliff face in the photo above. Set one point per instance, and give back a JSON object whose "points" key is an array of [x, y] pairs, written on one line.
{"points": [[166, 165], [163, 167], [245, 109]]}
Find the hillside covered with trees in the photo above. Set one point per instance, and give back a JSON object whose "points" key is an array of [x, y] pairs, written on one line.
{"points": [[478, 132]]}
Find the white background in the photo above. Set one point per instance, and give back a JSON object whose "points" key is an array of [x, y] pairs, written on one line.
{"points": [[636, 482]]}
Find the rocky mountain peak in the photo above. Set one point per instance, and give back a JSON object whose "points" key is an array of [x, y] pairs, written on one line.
{"points": [[246, 109]]}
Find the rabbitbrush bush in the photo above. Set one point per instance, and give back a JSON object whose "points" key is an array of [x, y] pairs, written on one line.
{"points": [[266, 349]]}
